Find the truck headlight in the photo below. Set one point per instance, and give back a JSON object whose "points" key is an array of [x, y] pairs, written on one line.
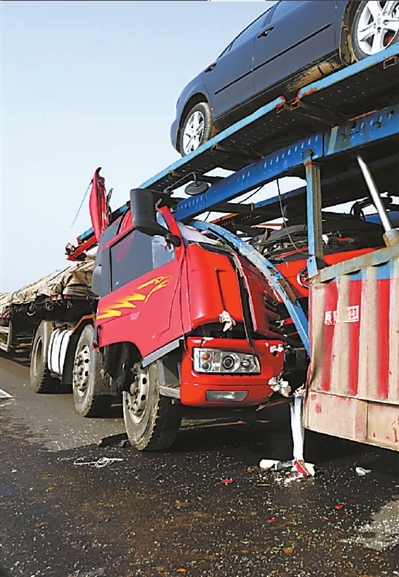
{"points": [[217, 361]]}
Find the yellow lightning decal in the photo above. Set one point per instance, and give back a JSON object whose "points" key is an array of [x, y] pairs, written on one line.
{"points": [[115, 310], [159, 282]]}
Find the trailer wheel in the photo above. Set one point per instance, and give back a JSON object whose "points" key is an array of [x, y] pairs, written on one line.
{"points": [[41, 380], [87, 372], [152, 421], [196, 129], [374, 27]]}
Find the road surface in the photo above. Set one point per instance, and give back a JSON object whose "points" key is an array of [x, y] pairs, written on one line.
{"points": [[202, 509]]}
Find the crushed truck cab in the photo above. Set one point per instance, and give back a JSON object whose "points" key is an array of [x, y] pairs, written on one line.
{"points": [[175, 302]]}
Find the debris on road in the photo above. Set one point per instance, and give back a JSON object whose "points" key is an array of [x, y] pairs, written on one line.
{"points": [[296, 469], [102, 462], [362, 472], [227, 481], [266, 464], [300, 470]]}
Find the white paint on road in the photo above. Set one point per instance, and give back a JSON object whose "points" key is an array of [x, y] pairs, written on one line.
{"points": [[4, 395]]}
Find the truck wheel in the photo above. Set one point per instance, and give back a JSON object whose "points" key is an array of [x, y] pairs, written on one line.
{"points": [[152, 421], [87, 372], [41, 380]]}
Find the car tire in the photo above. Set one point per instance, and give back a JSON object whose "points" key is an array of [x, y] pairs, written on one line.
{"points": [[379, 35], [196, 129], [152, 421], [86, 373], [41, 380]]}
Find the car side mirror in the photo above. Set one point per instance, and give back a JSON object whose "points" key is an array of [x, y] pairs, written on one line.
{"points": [[142, 206]]}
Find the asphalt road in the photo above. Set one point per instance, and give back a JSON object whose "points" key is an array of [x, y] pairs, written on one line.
{"points": [[174, 513]]}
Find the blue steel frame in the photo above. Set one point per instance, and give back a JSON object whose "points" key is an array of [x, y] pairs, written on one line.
{"points": [[314, 205], [346, 137]]}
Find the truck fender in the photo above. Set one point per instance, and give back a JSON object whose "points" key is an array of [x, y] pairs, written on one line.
{"points": [[118, 360], [57, 348]]}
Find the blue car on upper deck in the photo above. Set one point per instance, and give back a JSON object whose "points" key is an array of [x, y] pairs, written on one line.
{"points": [[290, 45]]}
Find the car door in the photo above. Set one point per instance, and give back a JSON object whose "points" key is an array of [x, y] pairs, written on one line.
{"points": [[299, 33], [228, 80]]}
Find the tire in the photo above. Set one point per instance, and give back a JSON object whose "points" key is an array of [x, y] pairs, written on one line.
{"points": [[196, 129], [152, 421], [373, 27], [41, 380], [87, 373]]}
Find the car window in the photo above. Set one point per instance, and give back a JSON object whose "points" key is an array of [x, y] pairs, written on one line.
{"points": [[282, 8], [250, 31]]}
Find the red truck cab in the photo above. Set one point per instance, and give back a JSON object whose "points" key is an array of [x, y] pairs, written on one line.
{"points": [[181, 321]]}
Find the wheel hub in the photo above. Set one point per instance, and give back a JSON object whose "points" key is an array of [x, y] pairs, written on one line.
{"points": [[137, 398], [193, 132], [81, 371], [377, 27]]}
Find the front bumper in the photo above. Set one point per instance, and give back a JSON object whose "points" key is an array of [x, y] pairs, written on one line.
{"points": [[197, 388]]}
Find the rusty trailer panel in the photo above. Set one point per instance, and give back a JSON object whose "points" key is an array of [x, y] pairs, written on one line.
{"points": [[353, 380]]}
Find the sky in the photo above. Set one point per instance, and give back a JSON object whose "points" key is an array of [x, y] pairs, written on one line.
{"points": [[88, 84]]}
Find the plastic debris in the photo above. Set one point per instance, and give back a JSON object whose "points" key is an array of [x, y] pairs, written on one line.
{"points": [[362, 472], [338, 506], [280, 386], [102, 462], [227, 481], [295, 469], [297, 429], [228, 321], [266, 464], [300, 470]]}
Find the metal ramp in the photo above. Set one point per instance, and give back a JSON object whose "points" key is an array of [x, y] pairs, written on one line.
{"points": [[249, 146], [343, 95], [376, 132]]}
